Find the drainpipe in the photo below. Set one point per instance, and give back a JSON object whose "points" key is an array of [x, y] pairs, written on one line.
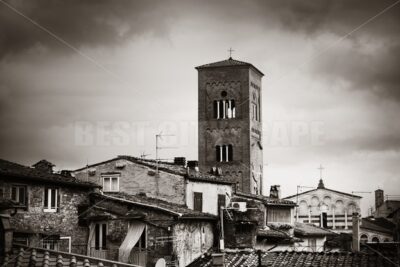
{"points": [[356, 232]]}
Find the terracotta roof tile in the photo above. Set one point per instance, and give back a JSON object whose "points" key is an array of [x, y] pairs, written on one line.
{"points": [[306, 229], [297, 259], [154, 203], [24, 256], [17, 171]]}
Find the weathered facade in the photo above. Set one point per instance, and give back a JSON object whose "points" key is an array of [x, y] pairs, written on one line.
{"points": [[326, 208], [49, 203], [173, 183], [142, 230], [230, 123]]}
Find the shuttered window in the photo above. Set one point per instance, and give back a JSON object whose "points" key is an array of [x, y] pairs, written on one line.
{"points": [[198, 201], [18, 194]]}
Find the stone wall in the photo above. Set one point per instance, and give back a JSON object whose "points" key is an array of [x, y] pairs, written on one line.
{"points": [[136, 178], [193, 239], [34, 222]]}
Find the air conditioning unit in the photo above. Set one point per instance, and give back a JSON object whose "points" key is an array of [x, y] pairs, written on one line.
{"points": [[239, 206]]}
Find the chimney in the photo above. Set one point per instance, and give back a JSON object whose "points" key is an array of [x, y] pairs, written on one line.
{"points": [[379, 198], [275, 191], [356, 232], [44, 166], [218, 259]]}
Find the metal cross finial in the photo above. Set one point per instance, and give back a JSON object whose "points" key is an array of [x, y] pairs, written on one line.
{"points": [[230, 52], [321, 168]]}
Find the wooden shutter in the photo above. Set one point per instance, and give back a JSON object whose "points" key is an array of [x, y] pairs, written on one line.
{"points": [[97, 236], [104, 236], [230, 153], [215, 109], [198, 201], [46, 198], [217, 153]]}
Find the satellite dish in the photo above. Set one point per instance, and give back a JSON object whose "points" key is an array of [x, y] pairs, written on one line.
{"points": [[161, 263]]}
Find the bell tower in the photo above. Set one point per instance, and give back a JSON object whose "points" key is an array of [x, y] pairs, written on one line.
{"points": [[230, 123]]}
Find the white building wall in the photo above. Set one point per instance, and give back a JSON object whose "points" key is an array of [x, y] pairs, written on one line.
{"points": [[338, 207], [210, 193]]}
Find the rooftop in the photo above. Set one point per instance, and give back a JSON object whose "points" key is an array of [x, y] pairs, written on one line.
{"points": [[321, 186], [299, 259], [378, 224], [24, 256], [230, 62], [306, 229], [267, 200], [169, 168], [17, 171], [152, 203]]}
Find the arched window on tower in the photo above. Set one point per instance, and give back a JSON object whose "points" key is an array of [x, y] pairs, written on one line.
{"points": [[224, 153], [224, 109]]}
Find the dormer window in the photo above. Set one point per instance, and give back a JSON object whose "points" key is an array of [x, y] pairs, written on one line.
{"points": [[224, 109]]}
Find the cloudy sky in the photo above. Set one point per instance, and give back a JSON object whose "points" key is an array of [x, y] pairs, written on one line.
{"points": [[84, 81]]}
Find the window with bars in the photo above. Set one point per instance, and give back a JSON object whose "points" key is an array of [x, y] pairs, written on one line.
{"points": [[51, 199], [224, 109], [224, 153], [18, 194], [110, 183]]}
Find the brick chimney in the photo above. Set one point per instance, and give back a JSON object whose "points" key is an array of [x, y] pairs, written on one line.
{"points": [[44, 166], [356, 232], [379, 198], [275, 191]]}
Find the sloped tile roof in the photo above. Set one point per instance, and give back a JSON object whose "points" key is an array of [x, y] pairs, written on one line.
{"points": [[17, 171], [140, 200], [378, 224], [299, 259], [230, 62], [169, 168], [24, 256], [306, 229], [267, 200]]}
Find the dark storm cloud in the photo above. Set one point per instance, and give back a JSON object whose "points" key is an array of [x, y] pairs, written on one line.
{"points": [[80, 23]]}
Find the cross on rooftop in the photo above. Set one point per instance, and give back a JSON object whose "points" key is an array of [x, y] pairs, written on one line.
{"points": [[321, 168], [230, 52]]}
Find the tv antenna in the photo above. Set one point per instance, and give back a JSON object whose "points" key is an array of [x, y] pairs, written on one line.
{"points": [[158, 147]]}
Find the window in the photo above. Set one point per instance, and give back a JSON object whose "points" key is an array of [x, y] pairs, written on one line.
{"points": [[221, 202], [50, 242], [324, 220], [100, 236], [110, 184], [51, 199], [21, 238], [198, 201], [363, 239], [224, 153], [18, 194], [255, 106], [224, 109], [375, 239]]}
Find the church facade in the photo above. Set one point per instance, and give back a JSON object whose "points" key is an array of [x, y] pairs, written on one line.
{"points": [[230, 123], [326, 208]]}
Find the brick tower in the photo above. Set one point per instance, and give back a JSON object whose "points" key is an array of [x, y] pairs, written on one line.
{"points": [[230, 125]]}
